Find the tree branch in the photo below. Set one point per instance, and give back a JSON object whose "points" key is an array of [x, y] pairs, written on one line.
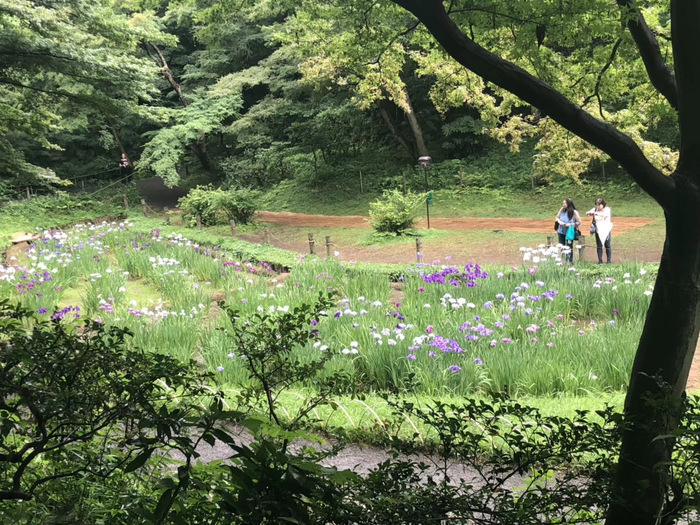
{"points": [[6, 495], [538, 93], [685, 15], [45, 91], [660, 74], [168, 74], [596, 91]]}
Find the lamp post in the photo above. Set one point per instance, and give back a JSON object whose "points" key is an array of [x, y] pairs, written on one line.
{"points": [[425, 162]]}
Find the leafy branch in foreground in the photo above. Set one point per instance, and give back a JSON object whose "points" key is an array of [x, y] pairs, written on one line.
{"points": [[76, 404]]}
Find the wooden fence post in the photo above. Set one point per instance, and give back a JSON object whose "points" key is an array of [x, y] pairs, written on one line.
{"points": [[582, 248], [312, 244], [29, 194], [549, 241], [328, 246], [419, 247], [82, 183], [233, 227], [266, 231], [126, 202], [143, 207], [199, 221]]}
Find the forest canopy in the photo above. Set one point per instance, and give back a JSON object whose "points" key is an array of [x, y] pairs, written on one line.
{"points": [[250, 94]]}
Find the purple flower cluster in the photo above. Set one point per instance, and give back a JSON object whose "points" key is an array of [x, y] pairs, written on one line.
{"points": [[31, 281], [446, 345], [453, 276], [473, 333], [61, 314]]}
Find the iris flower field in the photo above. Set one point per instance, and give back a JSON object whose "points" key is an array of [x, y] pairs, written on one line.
{"points": [[543, 328]]}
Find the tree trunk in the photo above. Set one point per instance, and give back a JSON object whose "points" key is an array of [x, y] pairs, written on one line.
{"points": [[415, 125], [670, 333], [119, 142], [392, 129], [661, 368]]}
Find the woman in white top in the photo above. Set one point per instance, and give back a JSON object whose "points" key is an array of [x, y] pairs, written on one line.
{"points": [[603, 228]]}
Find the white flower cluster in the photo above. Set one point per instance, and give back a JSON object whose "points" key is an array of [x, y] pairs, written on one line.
{"points": [[447, 301]]}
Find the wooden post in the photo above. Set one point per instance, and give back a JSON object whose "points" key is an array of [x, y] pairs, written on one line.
{"points": [[233, 227], [403, 173], [549, 240], [29, 194], [461, 177], [362, 190], [312, 244], [266, 231], [143, 207], [126, 202], [328, 246], [419, 247], [82, 183], [582, 248], [199, 221]]}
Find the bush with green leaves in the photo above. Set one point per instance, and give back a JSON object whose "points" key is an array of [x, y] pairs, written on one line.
{"points": [[218, 206], [395, 212], [85, 420]]}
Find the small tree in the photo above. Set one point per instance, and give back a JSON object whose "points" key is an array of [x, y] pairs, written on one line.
{"points": [[218, 206], [394, 212]]}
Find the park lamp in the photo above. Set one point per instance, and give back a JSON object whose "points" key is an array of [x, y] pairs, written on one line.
{"points": [[425, 162]]}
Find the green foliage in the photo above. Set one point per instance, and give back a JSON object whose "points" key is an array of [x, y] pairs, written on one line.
{"points": [[188, 126], [218, 206], [62, 63], [61, 209], [394, 212], [78, 407]]}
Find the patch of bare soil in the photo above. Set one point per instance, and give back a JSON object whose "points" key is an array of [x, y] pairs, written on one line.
{"points": [[13, 252], [622, 224]]}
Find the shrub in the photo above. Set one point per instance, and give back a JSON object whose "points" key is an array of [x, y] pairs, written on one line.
{"points": [[218, 206], [80, 410], [394, 212]]}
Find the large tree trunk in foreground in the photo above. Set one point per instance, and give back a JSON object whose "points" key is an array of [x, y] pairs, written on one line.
{"points": [[670, 334], [661, 369]]}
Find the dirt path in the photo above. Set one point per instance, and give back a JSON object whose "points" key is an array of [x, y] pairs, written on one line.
{"points": [[622, 224]]}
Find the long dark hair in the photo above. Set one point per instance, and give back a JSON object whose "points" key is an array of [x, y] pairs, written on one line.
{"points": [[570, 208]]}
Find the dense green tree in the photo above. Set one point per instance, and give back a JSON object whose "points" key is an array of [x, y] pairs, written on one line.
{"points": [[375, 49], [62, 63]]}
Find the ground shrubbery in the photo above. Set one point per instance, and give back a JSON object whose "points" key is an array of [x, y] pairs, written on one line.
{"points": [[218, 206]]}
